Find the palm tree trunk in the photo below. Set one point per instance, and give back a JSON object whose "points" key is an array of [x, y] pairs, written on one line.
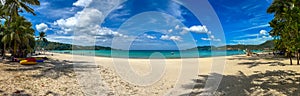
{"points": [[290, 56], [15, 49], [3, 51], [298, 58]]}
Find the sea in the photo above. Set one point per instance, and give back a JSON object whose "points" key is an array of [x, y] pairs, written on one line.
{"points": [[154, 53]]}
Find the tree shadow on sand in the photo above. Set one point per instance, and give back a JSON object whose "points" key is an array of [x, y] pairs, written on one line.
{"points": [[24, 93], [254, 63], [257, 58], [54, 68], [269, 83]]}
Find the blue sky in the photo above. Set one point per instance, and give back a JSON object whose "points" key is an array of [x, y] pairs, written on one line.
{"points": [[152, 24]]}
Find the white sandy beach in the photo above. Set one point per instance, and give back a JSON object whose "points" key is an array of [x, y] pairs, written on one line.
{"points": [[241, 76]]}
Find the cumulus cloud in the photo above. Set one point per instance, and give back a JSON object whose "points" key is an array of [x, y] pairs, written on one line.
{"points": [[171, 30], [174, 38], [108, 33], [164, 37], [89, 17], [42, 27], [263, 32], [86, 23], [258, 38], [196, 29], [177, 27], [84, 27], [82, 3], [149, 36]]}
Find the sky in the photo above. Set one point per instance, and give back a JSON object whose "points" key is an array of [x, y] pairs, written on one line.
{"points": [[153, 24]]}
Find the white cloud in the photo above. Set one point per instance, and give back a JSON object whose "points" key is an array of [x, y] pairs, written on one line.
{"points": [[108, 33], [164, 37], [82, 3], [177, 27], [206, 39], [171, 30], [217, 40], [149, 36], [60, 38], [174, 38], [104, 38], [175, 10], [254, 27], [200, 29], [248, 36], [87, 21], [263, 32], [196, 29], [77, 40], [47, 9], [105, 6], [42, 27], [252, 41], [211, 38]]}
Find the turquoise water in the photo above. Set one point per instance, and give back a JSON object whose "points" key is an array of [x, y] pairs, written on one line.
{"points": [[154, 53]]}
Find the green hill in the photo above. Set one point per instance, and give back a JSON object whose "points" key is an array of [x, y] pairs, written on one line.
{"points": [[266, 45], [61, 46]]}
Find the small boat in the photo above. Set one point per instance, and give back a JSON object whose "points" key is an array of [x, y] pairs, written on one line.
{"points": [[31, 61], [26, 62]]}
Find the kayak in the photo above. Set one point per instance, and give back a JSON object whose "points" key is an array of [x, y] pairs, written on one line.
{"points": [[25, 62]]}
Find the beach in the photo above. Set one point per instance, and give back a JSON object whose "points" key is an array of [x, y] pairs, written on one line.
{"points": [[241, 75]]}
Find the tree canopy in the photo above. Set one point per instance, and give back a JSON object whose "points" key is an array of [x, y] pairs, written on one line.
{"points": [[286, 25], [16, 33]]}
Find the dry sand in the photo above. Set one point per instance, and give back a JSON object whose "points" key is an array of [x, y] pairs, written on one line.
{"points": [[99, 75]]}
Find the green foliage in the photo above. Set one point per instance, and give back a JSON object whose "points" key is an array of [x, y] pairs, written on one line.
{"points": [[286, 24], [16, 33]]}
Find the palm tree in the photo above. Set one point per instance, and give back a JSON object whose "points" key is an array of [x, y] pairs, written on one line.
{"points": [[285, 25], [41, 38], [18, 36], [10, 12], [13, 7]]}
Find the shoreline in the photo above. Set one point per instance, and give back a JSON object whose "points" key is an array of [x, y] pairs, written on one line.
{"points": [[49, 52]]}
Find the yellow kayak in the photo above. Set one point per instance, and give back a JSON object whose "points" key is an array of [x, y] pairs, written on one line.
{"points": [[24, 62]]}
